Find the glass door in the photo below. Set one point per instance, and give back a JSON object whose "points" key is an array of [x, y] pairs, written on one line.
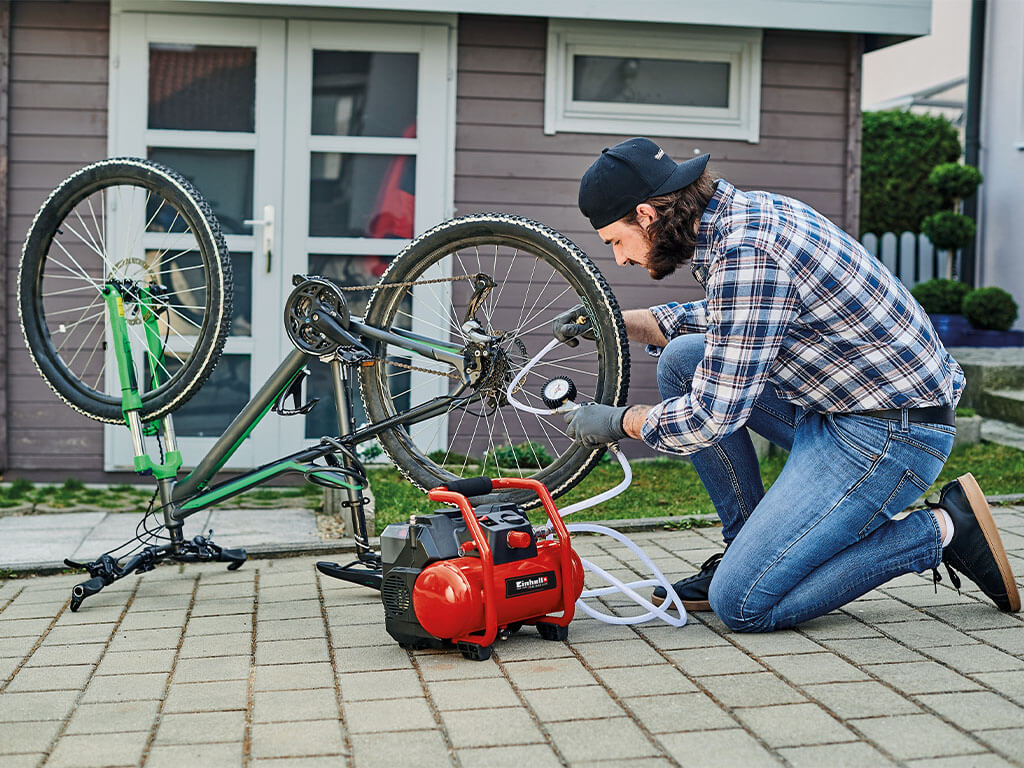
{"points": [[321, 147], [365, 151]]}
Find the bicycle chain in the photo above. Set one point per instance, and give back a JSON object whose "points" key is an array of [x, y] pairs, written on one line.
{"points": [[406, 284]]}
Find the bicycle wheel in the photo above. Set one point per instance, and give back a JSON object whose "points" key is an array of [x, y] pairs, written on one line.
{"points": [[537, 273], [143, 226]]}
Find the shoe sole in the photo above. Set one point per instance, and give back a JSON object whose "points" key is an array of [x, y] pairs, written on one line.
{"points": [[689, 605], [982, 513]]}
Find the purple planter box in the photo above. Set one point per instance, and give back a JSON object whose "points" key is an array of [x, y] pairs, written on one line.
{"points": [[976, 337], [953, 330]]}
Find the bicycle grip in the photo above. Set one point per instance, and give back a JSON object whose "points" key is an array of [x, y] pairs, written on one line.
{"points": [[90, 587], [472, 486]]}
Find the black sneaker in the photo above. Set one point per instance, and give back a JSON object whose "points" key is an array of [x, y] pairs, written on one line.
{"points": [[976, 549], [694, 590]]}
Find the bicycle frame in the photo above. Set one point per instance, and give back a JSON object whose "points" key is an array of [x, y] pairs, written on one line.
{"points": [[182, 498]]}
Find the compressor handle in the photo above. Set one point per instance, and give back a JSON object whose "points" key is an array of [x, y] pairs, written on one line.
{"points": [[471, 486]]}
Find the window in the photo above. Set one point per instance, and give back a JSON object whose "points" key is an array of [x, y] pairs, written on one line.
{"points": [[663, 81]]}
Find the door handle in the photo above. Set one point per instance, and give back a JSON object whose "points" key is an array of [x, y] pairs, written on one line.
{"points": [[266, 225]]}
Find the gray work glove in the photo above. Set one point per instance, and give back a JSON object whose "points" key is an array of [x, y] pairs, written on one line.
{"points": [[567, 326], [596, 424]]}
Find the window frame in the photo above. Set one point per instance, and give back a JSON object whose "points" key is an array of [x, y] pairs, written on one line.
{"points": [[740, 48]]}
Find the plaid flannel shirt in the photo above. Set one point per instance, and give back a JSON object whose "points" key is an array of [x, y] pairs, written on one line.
{"points": [[795, 303]]}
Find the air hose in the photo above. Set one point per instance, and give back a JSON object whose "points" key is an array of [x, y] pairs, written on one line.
{"points": [[629, 589]]}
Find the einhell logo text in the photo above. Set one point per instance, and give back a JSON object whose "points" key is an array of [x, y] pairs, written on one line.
{"points": [[535, 582]]}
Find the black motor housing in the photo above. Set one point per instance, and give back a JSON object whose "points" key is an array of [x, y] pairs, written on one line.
{"points": [[408, 548]]}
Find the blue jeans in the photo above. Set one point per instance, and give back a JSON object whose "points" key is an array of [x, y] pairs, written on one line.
{"points": [[823, 534]]}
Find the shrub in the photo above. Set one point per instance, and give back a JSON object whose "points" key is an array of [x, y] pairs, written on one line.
{"points": [[991, 308], [528, 455], [949, 230], [941, 296], [954, 181], [898, 152]]}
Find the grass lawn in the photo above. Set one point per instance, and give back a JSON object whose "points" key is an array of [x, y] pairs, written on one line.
{"points": [[670, 487]]}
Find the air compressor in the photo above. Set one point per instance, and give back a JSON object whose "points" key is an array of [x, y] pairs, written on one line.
{"points": [[469, 576]]}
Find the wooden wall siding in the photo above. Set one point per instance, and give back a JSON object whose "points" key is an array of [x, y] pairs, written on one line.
{"points": [[504, 161], [58, 122], [5, 47]]}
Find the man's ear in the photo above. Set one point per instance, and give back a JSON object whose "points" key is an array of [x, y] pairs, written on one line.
{"points": [[646, 214]]}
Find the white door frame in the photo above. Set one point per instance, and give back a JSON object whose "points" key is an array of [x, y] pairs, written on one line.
{"points": [[283, 91]]}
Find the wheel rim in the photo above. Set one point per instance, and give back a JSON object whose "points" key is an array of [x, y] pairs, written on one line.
{"points": [[146, 241], [490, 436]]}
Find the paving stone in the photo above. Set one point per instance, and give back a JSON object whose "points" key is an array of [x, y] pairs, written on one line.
{"points": [[872, 650], [48, 705], [836, 626], [921, 677], [125, 688], [619, 653], [72, 635], [113, 717], [289, 629], [291, 677], [580, 703], [313, 737], [810, 668], [972, 616], [861, 699], [207, 697], [200, 728], [144, 639], [154, 619], [1008, 742], [382, 657], [387, 750], [678, 712], [204, 626], [691, 635], [977, 658], [926, 633], [360, 636], [913, 736], [794, 725], [1010, 640], [468, 694], [617, 739], [212, 668], [975, 710], [751, 690], [98, 750], [548, 673], [229, 644], [782, 642], [296, 609], [196, 755], [732, 747], [291, 651], [849, 755], [294, 762], [282, 706], [451, 666], [27, 737], [50, 678], [490, 727], [1010, 684], [17, 647], [225, 607], [386, 715], [393, 684], [645, 681], [129, 662], [526, 646], [533, 755]]}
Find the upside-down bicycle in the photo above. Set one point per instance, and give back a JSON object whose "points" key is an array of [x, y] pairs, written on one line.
{"points": [[124, 296]]}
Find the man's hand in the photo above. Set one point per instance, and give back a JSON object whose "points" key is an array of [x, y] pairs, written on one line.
{"points": [[572, 323], [596, 424]]}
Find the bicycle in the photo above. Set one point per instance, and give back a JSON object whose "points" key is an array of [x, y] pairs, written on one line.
{"points": [[125, 267]]}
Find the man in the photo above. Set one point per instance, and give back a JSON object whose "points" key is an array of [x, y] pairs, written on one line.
{"points": [[810, 342]]}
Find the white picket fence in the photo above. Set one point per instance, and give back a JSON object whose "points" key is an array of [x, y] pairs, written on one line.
{"points": [[910, 256]]}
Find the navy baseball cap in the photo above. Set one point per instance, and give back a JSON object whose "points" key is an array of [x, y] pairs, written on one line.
{"points": [[629, 173]]}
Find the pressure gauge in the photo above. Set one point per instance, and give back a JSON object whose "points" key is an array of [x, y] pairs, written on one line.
{"points": [[558, 391]]}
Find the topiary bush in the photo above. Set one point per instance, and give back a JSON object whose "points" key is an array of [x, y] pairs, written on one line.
{"points": [[941, 296], [990, 308], [954, 181], [898, 152], [949, 230]]}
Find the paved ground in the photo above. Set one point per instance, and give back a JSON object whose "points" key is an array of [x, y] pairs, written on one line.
{"points": [[276, 666]]}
